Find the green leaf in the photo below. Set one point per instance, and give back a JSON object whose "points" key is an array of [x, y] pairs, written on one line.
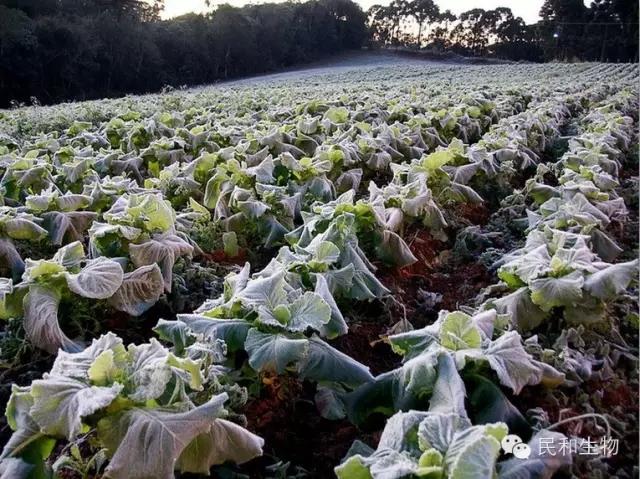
{"points": [[438, 159], [337, 115], [415, 380], [41, 320], [15, 468], [153, 210], [611, 281], [429, 458], [103, 369], [268, 292], [99, 279], [192, 370], [236, 282], [412, 343], [67, 226], [274, 352], [77, 365], [70, 256], [325, 363], [163, 251], [513, 365], [329, 404], [198, 208], [401, 432], [140, 290], [10, 258], [149, 372], [437, 430], [60, 404], [232, 331], [353, 468], [336, 325], [72, 202], [459, 332], [448, 392], [394, 251], [309, 311], [10, 304], [27, 441], [326, 252], [230, 242], [473, 452], [224, 442], [35, 270], [489, 404], [525, 315], [392, 464], [526, 267], [175, 332], [147, 443], [604, 246], [23, 229], [551, 292]]}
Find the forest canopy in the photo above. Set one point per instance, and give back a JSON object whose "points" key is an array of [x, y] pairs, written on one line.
{"points": [[63, 49], [55, 50], [568, 30]]}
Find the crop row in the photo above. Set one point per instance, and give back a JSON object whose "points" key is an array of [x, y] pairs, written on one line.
{"points": [[146, 191], [557, 274]]}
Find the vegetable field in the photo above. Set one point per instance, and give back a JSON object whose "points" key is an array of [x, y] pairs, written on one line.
{"points": [[386, 272]]}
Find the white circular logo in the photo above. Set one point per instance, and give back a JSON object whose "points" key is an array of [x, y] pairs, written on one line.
{"points": [[508, 443], [522, 451]]}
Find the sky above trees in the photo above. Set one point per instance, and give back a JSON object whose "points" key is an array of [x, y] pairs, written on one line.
{"points": [[527, 9]]}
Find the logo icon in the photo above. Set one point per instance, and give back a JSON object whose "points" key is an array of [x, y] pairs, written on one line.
{"points": [[508, 443], [522, 451], [512, 444]]}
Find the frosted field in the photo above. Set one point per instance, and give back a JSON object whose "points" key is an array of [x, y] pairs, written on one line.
{"points": [[426, 258]]}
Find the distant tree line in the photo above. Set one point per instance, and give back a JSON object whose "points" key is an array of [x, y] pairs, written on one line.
{"points": [[567, 31], [53, 50]]}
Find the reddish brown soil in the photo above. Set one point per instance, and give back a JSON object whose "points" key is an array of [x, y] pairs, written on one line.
{"points": [[615, 398], [435, 271], [220, 257], [620, 400], [404, 283], [460, 284], [474, 214], [364, 344], [286, 417]]}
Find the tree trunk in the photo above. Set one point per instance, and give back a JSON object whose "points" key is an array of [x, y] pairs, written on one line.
{"points": [[419, 34]]}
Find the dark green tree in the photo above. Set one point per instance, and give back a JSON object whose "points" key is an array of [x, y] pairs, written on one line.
{"points": [[424, 12], [79, 49], [562, 26]]}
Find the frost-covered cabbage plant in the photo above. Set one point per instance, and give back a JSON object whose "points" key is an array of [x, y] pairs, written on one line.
{"points": [[280, 314], [558, 270], [46, 283], [277, 322], [475, 345], [441, 442], [142, 228], [136, 402], [559, 266], [325, 181], [16, 226], [65, 216]]}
